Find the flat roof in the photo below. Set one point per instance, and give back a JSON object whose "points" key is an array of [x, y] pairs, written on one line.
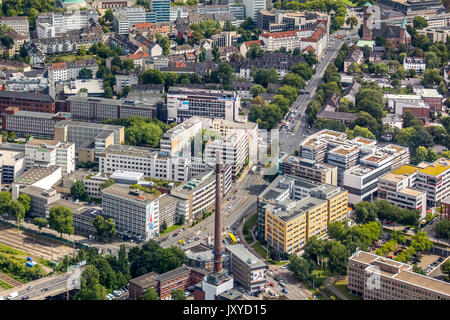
{"points": [[129, 193], [173, 273], [130, 151], [35, 174], [26, 96], [240, 251], [145, 281]]}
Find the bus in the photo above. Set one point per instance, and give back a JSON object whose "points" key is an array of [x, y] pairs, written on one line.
{"points": [[232, 238]]}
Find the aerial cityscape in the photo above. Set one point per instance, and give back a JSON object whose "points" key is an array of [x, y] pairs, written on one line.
{"points": [[237, 150]]}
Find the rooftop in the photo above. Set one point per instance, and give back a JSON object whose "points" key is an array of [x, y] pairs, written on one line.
{"points": [[35, 174], [243, 254], [145, 281], [129, 194]]}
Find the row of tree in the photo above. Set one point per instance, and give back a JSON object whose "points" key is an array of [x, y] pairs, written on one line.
{"points": [[382, 210]]}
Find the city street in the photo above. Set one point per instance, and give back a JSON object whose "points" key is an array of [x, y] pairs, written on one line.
{"points": [[290, 141]]}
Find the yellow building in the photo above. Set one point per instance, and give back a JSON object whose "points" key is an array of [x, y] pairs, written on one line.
{"points": [[289, 223]]}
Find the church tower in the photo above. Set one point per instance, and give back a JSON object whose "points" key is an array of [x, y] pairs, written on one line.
{"points": [[367, 13]]}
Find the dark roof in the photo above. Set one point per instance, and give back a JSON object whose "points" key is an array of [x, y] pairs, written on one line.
{"points": [[26, 96], [173, 273]]}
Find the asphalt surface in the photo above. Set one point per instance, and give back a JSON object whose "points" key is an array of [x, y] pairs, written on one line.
{"points": [[243, 201], [52, 285], [290, 140]]}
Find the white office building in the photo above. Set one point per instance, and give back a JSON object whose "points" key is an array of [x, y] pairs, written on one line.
{"points": [[46, 153], [252, 7]]}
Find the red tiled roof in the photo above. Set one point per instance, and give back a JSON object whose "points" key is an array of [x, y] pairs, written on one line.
{"points": [[282, 34], [143, 25], [59, 66], [138, 55], [309, 48], [315, 36], [253, 42]]}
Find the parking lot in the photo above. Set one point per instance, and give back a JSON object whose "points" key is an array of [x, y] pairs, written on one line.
{"points": [[431, 264]]}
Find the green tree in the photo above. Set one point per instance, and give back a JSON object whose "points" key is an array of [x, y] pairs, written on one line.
{"points": [[338, 257], [25, 200], [294, 80], [432, 60], [300, 267], [431, 77], [5, 199], [445, 268], [110, 228], [442, 229], [303, 70], [150, 294], [225, 74], [420, 242], [61, 220], [421, 154], [85, 74], [78, 191], [163, 226], [365, 212], [99, 225], [352, 21], [16, 210], [90, 288], [420, 22], [256, 90], [178, 295], [40, 223]]}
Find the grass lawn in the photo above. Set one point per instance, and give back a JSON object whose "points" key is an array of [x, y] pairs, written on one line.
{"points": [[342, 286], [260, 250], [12, 251], [69, 58], [175, 226], [278, 263], [251, 222], [5, 285], [321, 275]]}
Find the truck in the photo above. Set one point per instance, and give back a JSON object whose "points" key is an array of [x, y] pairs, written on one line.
{"points": [[13, 295]]}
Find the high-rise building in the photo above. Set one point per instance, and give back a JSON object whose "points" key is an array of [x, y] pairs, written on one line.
{"points": [[161, 8], [47, 153], [252, 7]]}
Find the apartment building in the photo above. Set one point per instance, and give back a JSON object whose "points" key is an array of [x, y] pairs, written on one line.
{"points": [[183, 103], [19, 24], [377, 278], [246, 268], [436, 34], [291, 210], [171, 208], [133, 210], [399, 190], [27, 101], [125, 18], [47, 153], [140, 159], [308, 169], [162, 10], [38, 124], [314, 39], [417, 64], [64, 71], [200, 191]]}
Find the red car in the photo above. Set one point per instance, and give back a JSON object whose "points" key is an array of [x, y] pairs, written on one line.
{"points": [[389, 222], [271, 284], [390, 257]]}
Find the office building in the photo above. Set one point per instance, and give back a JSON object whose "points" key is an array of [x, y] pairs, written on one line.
{"points": [[27, 101], [83, 133], [445, 209], [413, 7], [12, 164], [133, 210], [252, 7], [183, 103], [141, 159], [308, 169], [399, 190], [64, 22], [47, 153], [291, 210], [200, 192], [430, 178], [359, 161], [40, 199], [234, 150], [63, 71], [162, 10], [432, 98], [39, 124], [246, 268], [41, 177], [377, 278]]}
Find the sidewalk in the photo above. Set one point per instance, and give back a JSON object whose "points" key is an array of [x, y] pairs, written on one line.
{"points": [[329, 284]]}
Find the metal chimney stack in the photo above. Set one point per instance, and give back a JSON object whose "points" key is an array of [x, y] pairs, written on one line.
{"points": [[218, 249]]}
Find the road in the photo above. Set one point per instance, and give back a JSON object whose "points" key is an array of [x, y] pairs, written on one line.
{"points": [[240, 200], [290, 140], [55, 285]]}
